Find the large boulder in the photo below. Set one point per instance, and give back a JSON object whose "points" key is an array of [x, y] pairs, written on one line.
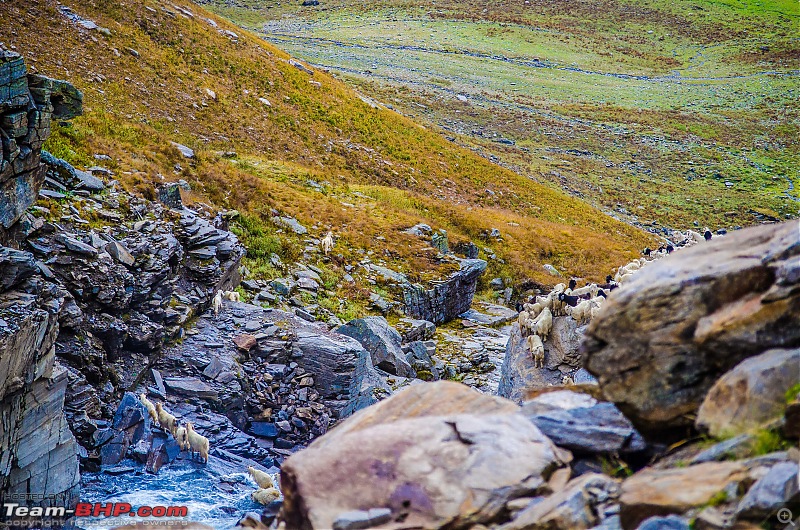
{"points": [[750, 395], [382, 341], [653, 492], [447, 299], [436, 454], [661, 341]]}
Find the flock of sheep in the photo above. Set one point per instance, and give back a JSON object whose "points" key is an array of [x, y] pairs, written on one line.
{"points": [[582, 304], [216, 303], [188, 439]]}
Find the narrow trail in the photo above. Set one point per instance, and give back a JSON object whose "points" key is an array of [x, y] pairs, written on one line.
{"points": [[280, 39]]}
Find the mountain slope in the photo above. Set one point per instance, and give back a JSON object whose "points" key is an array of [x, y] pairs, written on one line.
{"points": [[668, 111], [169, 73]]}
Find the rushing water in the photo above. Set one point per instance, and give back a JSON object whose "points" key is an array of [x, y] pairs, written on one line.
{"points": [[213, 493]]}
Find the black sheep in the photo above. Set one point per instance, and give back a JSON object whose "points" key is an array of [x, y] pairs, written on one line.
{"points": [[707, 235], [569, 300], [646, 251], [670, 248], [572, 284], [602, 293]]}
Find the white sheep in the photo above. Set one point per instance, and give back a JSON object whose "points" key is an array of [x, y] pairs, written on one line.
{"points": [[327, 243], [264, 480], [522, 319], [581, 312], [197, 443], [216, 303], [180, 437], [265, 495], [166, 420], [536, 348], [696, 237], [151, 409], [232, 296], [624, 278], [557, 307], [591, 289], [543, 324]]}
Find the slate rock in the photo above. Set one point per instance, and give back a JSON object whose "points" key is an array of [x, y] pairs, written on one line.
{"points": [[191, 387], [776, 489], [15, 267], [441, 452], [413, 329], [382, 342], [574, 507], [599, 428], [265, 429], [670, 522], [655, 492]]}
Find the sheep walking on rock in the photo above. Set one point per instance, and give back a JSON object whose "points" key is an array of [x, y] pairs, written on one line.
{"points": [[216, 303], [543, 324], [151, 409], [180, 437], [232, 296], [265, 495], [522, 320], [197, 442], [590, 289], [327, 243], [696, 237], [165, 419], [581, 312], [264, 480], [536, 347]]}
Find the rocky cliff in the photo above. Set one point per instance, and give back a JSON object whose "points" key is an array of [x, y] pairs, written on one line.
{"points": [[38, 453]]}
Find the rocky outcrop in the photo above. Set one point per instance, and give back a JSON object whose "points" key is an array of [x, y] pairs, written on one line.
{"points": [[27, 105], [751, 395], [661, 341], [382, 341], [436, 454], [519, 375], [276, 376], [38, 453], [447, 299]]}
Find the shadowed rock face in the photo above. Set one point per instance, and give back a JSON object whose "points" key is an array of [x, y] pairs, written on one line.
{"points": [[27, 105], [662, 341], [446, 300], [751, 395]]}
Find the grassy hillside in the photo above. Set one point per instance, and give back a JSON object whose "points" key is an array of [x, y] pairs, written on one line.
{"points": [[315, 151], [665, 112]]}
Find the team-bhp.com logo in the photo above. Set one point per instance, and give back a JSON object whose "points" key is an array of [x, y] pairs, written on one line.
{"points": [[18, 515]]}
